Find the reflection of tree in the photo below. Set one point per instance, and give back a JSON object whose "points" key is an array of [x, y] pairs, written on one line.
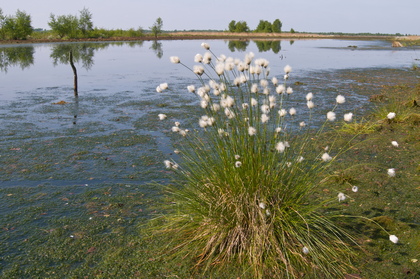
{"points": [[275, 46], [12, 56], [264, 46], [83, 53], [157, 47], [134, 43], [238, 45]]}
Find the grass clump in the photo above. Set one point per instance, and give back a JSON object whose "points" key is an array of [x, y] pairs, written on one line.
{"points": [[245, 189]]}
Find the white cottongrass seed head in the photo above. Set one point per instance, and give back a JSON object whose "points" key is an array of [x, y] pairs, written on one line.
{"points": [[394, 143], [305, 250], [280, 146], [264, 118], [162, 116], [348, 117], [174, 59], [393, 238], [310, 104], [168, 164], [355, 189], [391, 115], [341, 197], [238, 164], [198, 58], [205, 46], [287, 69], [340, 99], [292, 111], [309, 96], [275, 81], [331, 116], [391, 172], [282, 112], [220, 68], [280, 89], [207, 58], [198, 70], [191, 88], [161, 87], [252, 131], [326, 157], [254, 102]]}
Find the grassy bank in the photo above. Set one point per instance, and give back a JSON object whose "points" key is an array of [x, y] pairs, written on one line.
{"points": [[121, 35]]}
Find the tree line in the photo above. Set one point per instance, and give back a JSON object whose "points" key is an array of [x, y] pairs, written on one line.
{"points": [[15, 27], [264, 26], [19, 27]]}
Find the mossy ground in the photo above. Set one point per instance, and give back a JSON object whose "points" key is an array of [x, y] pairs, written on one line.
{"points": [[392, 202], [76, 203]]}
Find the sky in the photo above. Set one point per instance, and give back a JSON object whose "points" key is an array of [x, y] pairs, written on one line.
{"points": [[354, 16]]}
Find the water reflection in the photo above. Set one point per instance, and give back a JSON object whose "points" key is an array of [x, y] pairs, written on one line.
{"points": [[124, 60], [16, 56], [84, 53], [23, 56], [264, 46], [157, 47], [238, 45], [81, 53]]}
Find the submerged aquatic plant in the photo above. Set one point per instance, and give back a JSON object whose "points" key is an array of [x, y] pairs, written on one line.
{"points": [[245, 182]]}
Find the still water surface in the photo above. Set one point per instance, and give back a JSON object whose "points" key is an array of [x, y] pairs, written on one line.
{"points": [[140, 66]]}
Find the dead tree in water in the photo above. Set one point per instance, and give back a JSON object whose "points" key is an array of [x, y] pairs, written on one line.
{"points": [[74, 72]]}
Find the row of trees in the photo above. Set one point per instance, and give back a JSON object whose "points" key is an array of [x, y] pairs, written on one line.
{"points": [[72, 26], [18, 27], [264, 26], [15, 27]]}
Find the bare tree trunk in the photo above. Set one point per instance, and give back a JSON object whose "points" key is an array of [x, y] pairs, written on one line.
{"points": [[74, 72]]}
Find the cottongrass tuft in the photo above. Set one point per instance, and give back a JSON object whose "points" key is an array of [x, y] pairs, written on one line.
{"points": [[243, 190]]}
